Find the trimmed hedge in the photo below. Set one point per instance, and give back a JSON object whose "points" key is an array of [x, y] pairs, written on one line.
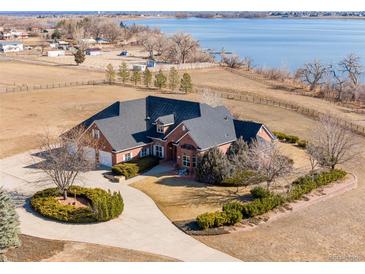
{"points": [[103, 205], [265, 200], [134, 167]]}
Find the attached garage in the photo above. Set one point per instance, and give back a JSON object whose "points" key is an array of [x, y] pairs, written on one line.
{"points": [[105, 158]]}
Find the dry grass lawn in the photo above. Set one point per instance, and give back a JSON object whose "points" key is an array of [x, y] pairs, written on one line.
{"points": [[220, 78], [184, 199], [34, 249], [17, 74]]}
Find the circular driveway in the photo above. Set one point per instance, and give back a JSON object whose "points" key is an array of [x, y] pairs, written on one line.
{"points": [[142, 226]]}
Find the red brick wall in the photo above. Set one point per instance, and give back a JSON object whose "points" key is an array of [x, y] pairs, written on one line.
{"points": [[118, 156], [264, 135], [103, 143]]}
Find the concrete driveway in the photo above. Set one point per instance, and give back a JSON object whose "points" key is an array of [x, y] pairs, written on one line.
{"points": [[142, 226]]}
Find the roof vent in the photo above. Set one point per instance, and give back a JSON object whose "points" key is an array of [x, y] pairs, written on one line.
{"points": [[148, 118], [226, 117]]}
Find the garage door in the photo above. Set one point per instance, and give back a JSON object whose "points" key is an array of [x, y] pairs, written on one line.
{"points": [[105, 158]]}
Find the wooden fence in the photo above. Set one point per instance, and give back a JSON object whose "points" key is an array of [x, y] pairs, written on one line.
{"points": [[225, 93], [242, 96], [52, 85]]}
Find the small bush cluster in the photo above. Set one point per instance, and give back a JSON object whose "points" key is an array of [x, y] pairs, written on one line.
{"points": [[265, 200], [133, 168], [292, 139], [228, 216], [103, 205]]}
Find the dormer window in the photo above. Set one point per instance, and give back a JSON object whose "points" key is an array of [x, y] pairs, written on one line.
{"points": [[95, 133], [160, 128]]}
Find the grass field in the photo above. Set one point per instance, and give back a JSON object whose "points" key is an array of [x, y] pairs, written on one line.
{"points": [[34, 249]]}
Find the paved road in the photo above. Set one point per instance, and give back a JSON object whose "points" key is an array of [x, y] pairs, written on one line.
{"points": [[142, 226]]}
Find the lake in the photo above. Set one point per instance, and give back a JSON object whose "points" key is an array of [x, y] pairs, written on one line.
{"points": [[285, 43]]}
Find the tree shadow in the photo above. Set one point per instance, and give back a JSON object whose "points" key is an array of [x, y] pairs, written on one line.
{"points": [[18, 198], [199, 193]]}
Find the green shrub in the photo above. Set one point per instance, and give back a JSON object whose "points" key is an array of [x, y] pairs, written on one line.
{"points": [[103, 205], [265, 200], [306, 184], [285, 137], [234, 205], [206, 220], [302, 143], [219, 218], [260, 192], [133, 168], [261, 206]]}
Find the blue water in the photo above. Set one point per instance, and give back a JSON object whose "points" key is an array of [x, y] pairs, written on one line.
{"points": [[284, 43]]}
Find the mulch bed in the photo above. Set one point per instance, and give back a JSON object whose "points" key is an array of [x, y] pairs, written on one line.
{"points": [[191, 227]]}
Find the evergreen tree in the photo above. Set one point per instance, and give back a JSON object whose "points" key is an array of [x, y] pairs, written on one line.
{"points": [[147, 77], [123, 72], [9, 224], [186, 85], [213, 167], [160, 80], [110, 73], [238, 150], [173, 79], [79, 57], [56, 34], [136, 77]]}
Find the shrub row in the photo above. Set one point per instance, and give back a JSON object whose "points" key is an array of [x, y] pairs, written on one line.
{"points": [[264, 200], [306, 184], [134, 167], [292, 139], [103, 205]]}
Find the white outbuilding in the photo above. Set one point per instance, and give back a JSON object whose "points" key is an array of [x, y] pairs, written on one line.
{"points": [[55, 53], [11, 46]]}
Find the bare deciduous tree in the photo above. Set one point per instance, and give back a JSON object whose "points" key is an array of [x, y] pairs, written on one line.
{"points": [[266, 159], [351, 65], [248, 63], [185, 45], [66, 157], [232, 60], [312, 74], [332, 143]]}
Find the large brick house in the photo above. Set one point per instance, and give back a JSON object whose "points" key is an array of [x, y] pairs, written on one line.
{"points": [[173, 130]]}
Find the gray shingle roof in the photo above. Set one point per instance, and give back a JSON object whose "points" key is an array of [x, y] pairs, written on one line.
{"points": [[166, 119], [129, 124]]}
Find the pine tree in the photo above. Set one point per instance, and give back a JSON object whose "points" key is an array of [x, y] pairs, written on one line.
{"points": [[186, 85], [147, 77], [9, 224], [79, 56], [173, 79], [110, 73], [136, 77], [160, 80], [123, 72]]}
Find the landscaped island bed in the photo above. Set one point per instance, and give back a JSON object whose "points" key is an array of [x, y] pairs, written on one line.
{"points": [[97, 205]]}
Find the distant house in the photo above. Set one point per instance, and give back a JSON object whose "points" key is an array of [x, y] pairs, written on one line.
{"points": [[172, 130], [88, 41], [139, 67], [93, 51], [13, 34], [102, 41], [55, 53], [11, 46]]}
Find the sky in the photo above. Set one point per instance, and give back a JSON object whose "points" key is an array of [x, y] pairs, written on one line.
{"points": [[182, 5]]}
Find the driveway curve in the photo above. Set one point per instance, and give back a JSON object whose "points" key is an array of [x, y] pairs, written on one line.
{"points": [[142, 226]]}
